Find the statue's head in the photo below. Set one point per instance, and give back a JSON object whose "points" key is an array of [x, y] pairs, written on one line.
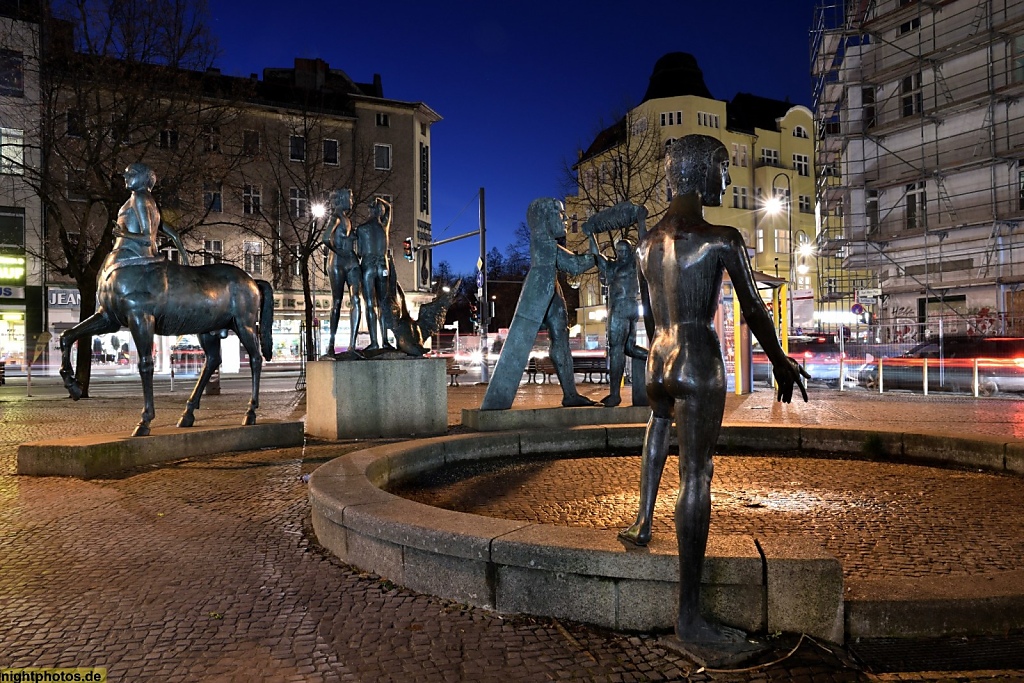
{"points": [[546, 218], [138, 176], [698, 163], [341, 200], [624, 250]]}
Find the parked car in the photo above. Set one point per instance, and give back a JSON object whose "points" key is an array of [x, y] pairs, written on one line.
{"points": [[818, 353], [951, 362]]}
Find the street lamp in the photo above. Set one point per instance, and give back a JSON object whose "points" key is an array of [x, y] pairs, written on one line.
{"points": [[774, 206]]}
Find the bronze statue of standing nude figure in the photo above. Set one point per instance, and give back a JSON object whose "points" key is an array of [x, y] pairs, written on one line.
{"points": [[683, 258], [343, 266]]}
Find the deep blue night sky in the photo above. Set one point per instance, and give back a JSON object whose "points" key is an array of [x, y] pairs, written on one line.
{"points": [[520, 85]]}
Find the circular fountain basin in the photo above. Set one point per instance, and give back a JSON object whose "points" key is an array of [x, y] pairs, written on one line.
{"points": [[770, 583]]}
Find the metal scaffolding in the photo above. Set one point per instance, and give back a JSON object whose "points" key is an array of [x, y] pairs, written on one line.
{"points": [[919, 156]]}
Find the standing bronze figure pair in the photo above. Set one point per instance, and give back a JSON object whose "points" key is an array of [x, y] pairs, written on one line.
{"points": [[366, 274]]}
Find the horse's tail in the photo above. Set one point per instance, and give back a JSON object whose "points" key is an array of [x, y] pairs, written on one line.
{"points": [[266, 318]]}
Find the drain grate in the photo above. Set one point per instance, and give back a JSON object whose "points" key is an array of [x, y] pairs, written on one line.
{"points": [[974, 653]]}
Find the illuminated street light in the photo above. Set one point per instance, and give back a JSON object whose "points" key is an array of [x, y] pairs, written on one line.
{"points": [[319, 210], [774, 205]]}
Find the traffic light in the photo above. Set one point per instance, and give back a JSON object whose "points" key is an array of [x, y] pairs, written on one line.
{"points": [[407, 249]]}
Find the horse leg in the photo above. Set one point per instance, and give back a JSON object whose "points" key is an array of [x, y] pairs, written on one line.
{"points": [[247, 335], [98, 323], [210, 341], [142, 329]]}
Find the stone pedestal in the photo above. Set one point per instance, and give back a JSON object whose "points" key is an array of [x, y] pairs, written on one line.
{"points": [[376, 398]]}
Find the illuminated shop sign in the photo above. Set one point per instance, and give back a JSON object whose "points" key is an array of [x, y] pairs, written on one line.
{"points": [[12, 270]]}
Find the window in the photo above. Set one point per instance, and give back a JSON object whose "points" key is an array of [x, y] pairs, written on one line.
{"points": [[782, 241], [331, 152], [383, 120], [575, 223], [76, 124], [385, 197], [424, 178], [12, 73], [1018, 59], [297, 148], [213, 252], [735, 158], [908, 26], [639, 125], [119, 130], [423, 129], [12, 227], [743, 156], [867, 99], [760, 240], [297, 202], [800, 132], [12, 151], [706, 119], [212, 197], [250, 142], [253, 252], [382, 157], [769, 157], [739, 197], [805, 204], [77, 190], [171, 254], [671, 118], [211, 139], [801, 164], [251, 199], [910, 92], [917, 201], [168, 139], [668, 191], [871, 209], [1020, 185]]}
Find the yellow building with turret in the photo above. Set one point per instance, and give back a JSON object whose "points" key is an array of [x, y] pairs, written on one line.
{"points": [[771, 152]]}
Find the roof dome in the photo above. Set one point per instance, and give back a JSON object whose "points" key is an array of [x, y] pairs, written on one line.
{"points": [[676, 74]]}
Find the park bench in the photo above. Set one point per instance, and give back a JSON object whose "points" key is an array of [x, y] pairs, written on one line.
{"points": [[454, 370], [588, 366]]}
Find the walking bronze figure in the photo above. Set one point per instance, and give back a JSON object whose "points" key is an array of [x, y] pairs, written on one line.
{"points": [[683, 259]]}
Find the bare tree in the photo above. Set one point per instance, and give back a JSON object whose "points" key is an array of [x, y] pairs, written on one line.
{"points": [[305, 157], [624, 163], [121, 81]]}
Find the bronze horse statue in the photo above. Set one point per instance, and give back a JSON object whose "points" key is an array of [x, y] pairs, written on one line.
{"points": [[137, 288]]}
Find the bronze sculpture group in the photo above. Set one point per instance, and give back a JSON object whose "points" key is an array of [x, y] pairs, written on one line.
{"points": [[682, 260], [361, 262], [139, 289]]}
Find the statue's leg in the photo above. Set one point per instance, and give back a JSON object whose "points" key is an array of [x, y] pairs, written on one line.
{"points": [[369, 289], [97, 323], [384, 311], [355, 312], [698, 419], [247, 336], [634, 350], [210, 343], [652, 464], [515, 355], [556, 322], [616, 363], [335, 317], [142, 332]]}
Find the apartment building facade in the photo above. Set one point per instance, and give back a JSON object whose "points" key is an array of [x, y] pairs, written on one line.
{"points": [[921, 132], [241, 167], [771, 152]]}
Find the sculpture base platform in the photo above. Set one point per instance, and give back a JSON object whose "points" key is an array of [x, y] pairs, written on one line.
{"points": [[96, 455], [533, 418], [366, 399]]}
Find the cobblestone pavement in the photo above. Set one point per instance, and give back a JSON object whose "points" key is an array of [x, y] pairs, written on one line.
{"points": [[206, 569]]}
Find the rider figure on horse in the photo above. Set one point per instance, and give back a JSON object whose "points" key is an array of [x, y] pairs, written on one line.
{"points": [[139, 224]]}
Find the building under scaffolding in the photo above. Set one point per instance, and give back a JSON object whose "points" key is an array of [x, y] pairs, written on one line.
{"points": [[921, 160]]}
